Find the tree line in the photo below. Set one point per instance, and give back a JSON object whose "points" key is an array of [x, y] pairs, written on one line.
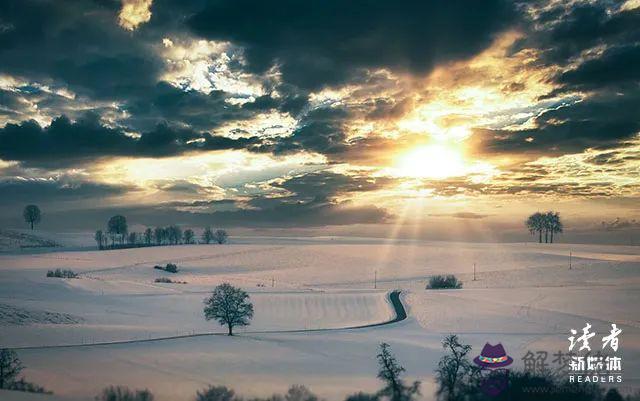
{"points": [[117, 232], [548, 223]]}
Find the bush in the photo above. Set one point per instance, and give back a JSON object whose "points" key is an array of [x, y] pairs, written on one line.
{"points": [[216, 393], [58, 273], [168, 280], [170, 267], [121, 393], [448, 281], [362, 397], [27, 387], [299, 392]]}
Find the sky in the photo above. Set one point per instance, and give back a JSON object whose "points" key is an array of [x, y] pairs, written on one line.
{"points": [[405, 118]]}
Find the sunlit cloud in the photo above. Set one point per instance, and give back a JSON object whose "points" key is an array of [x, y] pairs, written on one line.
{"points": [[206, 66], [133, 13]]}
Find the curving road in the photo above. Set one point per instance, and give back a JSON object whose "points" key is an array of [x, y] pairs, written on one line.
{"points": [[394, 298]]}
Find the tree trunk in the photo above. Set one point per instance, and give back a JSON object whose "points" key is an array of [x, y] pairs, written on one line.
{"points": [[230, 329], [546, 236], [540, 236], [551, 237], [31, 225]]}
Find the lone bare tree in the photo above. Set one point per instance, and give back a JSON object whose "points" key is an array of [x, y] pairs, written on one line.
{"points": [[229, 306], [390, 372], [32, 215], [10, 367]]}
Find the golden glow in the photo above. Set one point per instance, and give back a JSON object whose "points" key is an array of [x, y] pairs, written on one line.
{"points": [[204, 169], [432, 161], [134, 13]]}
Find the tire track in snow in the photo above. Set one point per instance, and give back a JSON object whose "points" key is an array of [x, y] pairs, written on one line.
{"points": [[393, 296]]}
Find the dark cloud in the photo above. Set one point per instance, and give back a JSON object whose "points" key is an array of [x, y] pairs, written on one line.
{"points": [[325, 43], [285, 215], [65, 142], [601, 121], [616, 67], [16, 193], [79, 43], [563, 32], [311, 200], [80, 47], [204, 111], [595, 46]]}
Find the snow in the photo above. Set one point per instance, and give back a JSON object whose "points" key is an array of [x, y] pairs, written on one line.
{"points": [[525, 297]]}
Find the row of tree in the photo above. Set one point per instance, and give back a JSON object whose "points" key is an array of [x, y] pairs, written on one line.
{"points": [[548, 223], [118, 233]]}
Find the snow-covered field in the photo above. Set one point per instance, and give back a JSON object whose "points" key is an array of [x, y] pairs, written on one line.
{"points": [[525, 297]]}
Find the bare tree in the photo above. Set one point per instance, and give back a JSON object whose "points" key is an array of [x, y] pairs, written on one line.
{"points": [[535, 224], [148, 236], [207, 235], [174, 234], [32, 215], [220, 236], [554, 224], [455, 371], [229, 306], [117, 228], [10, 367], [100, 239], [133, 238], [188, 236], [548, 223], [389, 372], [159, 234]]}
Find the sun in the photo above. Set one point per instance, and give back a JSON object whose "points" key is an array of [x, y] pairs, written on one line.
{"points": [[432, 161]]}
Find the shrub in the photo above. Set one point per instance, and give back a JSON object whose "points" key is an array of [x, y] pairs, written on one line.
{"points": [[121, 393], [168, 280], [448, 281], [216, 393], [27, 387], [362, 397], [58, 273], [298, 392], [170, 267]]}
